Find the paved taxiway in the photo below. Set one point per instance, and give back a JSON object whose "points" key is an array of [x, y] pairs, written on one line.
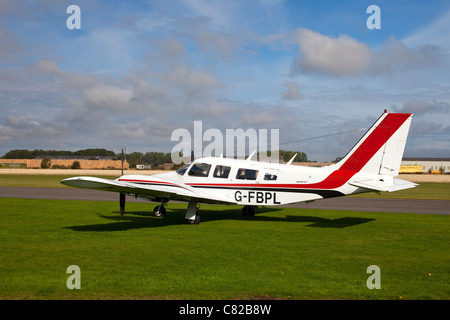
{"points": [[441, 207]]}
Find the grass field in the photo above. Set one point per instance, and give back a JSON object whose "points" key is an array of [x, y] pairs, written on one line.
{"points": [[278, 254]]}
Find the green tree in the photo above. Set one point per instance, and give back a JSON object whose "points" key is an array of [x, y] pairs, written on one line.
{"points": [[287, 155], [76, 165], [46, 163], [19, 154]]}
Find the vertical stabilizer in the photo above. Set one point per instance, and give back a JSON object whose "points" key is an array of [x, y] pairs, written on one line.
{"points": [[380, 150]]}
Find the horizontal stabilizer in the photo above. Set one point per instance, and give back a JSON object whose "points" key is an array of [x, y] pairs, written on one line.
{"points": [[381, 185]]}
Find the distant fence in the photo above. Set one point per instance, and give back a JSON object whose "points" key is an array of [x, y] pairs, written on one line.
{"points": [[13, 165]]}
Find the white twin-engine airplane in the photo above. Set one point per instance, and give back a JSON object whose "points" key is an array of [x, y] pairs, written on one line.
{"points": [[371, 165]]}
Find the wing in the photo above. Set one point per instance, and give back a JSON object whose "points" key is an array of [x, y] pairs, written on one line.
{"points": [[156, 188]]}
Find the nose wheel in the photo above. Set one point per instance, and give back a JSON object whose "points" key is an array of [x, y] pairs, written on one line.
{"points": [[159, 211]]}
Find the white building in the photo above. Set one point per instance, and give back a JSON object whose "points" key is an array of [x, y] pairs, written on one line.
{"points": [[429, 164]]}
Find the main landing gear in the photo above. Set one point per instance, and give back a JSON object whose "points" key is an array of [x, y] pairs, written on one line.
{"points": [[249, 211], [191, 216], [159, 211]]}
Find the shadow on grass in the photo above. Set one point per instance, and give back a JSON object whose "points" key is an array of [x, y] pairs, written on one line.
{"points": [[143, 219]]}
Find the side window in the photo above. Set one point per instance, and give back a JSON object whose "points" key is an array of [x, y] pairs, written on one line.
{"points": [[221, 171], [199, 170], [269, 176], [183, 169], [247, 174]]}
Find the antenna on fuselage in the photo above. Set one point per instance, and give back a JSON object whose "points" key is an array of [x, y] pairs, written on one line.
{"points": [[290, 161], [250, 156]]}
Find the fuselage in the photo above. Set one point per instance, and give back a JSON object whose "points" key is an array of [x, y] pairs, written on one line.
{"points": [[247, 182]]}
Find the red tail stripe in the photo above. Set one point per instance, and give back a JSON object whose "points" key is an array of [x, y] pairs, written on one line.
{"points": [[377, 138], [388, 126]]}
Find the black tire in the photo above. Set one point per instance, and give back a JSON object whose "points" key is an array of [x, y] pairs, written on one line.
{"points": [[159, 211], [248, 211]]}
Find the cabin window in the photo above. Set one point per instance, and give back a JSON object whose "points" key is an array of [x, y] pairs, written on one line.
{"points": [[200, 170], [269, 176], [221, 171], [247, 174], [183, 169]]}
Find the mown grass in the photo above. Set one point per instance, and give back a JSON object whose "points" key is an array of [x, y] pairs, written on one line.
{"points": [[280, 253]]}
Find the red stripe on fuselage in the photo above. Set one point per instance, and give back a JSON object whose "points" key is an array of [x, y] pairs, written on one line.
{"points": [[154, 182]]}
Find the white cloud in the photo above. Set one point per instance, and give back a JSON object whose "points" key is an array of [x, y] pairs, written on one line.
{"points": [[108, 97], [46, 66], [337, 56], [345, 56], [422, 107], [184, 77], [396, 56]]}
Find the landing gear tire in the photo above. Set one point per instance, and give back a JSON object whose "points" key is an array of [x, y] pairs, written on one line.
{"points": [[159, 211], [195, 221], [248, 211]]}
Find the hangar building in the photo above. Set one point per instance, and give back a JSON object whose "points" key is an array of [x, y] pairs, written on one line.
{"points": [[429, 165]]}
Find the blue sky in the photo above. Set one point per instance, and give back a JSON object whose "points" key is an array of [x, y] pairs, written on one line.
{"points": [[137, 70]]}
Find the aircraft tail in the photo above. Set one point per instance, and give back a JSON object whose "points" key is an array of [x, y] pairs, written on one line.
{"points": [[377, 156]]}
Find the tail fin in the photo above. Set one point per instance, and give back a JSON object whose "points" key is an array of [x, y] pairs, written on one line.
{"points": [[380, 150]]}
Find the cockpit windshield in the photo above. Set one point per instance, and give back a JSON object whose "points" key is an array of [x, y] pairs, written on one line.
{"points": [[183, 169]]}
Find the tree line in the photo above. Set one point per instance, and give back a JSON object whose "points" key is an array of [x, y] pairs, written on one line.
{"points": [[155, 159], [27, 154]]}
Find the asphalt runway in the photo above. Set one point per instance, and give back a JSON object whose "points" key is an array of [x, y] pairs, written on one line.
{"points": [[441, 207]]}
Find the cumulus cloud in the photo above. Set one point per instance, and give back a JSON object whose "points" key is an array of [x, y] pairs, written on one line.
{"points": [[144, 107], [46, 66], [192, 79], [345, 56], [20, 128], [336, 56], [418, 107], [108, 97], [395, 55]]}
